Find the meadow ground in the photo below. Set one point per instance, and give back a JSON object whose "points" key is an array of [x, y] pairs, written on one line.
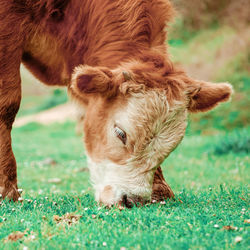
{"points": [[209, 175]]}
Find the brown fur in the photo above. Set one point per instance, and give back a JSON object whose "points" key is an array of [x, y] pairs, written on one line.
{"points": [[52, 37], [161, 190]]}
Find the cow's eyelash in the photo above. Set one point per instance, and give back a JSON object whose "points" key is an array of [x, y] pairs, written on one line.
{"points": [[121, 134]]}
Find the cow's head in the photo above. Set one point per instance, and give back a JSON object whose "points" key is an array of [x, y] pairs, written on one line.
{"points": [[135, 117]]}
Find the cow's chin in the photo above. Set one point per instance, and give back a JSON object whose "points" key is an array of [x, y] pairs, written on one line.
{"points": [[120, 184]]}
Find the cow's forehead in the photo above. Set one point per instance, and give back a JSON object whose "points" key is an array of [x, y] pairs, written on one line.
{"points": [[142, 108], [148, 112]]}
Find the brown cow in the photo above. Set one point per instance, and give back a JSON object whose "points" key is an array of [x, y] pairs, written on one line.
{"points": [[113, 57]]}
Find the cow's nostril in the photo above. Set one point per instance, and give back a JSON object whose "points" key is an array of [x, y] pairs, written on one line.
{"points": [[127, 201]]}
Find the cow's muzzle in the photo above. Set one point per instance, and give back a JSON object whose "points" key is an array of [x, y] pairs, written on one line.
{"points": [[129, 202]]}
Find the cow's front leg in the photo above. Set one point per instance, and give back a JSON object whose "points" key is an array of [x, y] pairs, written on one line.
{"points": [[9, 104], [10, 97], [161, 190]]}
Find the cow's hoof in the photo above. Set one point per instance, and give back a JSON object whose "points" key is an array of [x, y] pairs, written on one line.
{"points": [[11, 193], [161, 190]]}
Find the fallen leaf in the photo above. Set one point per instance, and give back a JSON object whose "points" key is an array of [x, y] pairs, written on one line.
{"points": [[93, 216], [67, 218], [230, 228], [247, 221], [57, 218], [15, 236], [242, 198]]}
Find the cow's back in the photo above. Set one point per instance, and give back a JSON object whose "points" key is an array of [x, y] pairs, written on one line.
{"points": [[61, 34]]}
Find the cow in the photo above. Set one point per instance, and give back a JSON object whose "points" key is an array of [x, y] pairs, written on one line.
{"points": [[113, 57]]}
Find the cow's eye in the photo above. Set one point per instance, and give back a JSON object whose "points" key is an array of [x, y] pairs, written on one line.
{"points": [[121, 134]]}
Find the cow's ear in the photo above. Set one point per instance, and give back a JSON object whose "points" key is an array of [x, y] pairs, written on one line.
{"points": [[89, 80], [204, 96]]}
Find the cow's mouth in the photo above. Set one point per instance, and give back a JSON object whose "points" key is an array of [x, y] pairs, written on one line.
{"points": [[129, 202]]}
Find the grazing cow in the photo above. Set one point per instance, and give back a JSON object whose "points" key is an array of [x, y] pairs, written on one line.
{"points": [[113, 57]]}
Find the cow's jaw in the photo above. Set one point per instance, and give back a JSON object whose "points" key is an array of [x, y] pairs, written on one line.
{"points": [[112, 181]]}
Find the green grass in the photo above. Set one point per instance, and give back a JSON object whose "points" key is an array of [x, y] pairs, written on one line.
{"points": [[211, 192]]}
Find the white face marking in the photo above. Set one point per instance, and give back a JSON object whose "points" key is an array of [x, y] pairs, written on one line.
{"points": [[154, 127], [122, 179], [153, 130]]}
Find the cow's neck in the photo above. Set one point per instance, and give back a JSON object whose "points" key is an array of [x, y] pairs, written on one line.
{"points": [[115, 32]]}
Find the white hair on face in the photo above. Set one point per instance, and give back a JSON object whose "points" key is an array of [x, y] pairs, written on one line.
{"points": [[122, 179], [154, 128]]}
